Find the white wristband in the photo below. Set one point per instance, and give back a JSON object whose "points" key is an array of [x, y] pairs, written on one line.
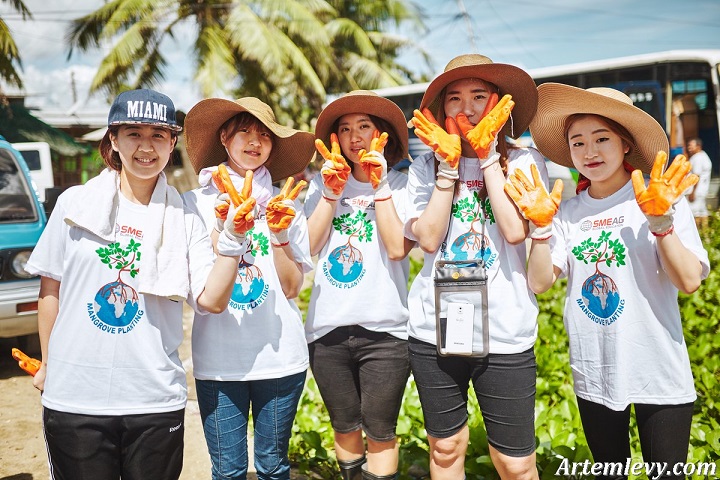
{"points": [[280, 238], [383, 191], [540, 233], [229, 245], [661, 223], [445, 170]]}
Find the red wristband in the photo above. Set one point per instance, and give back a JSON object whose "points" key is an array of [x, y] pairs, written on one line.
{"points": [[280, 245], [665, 233]]}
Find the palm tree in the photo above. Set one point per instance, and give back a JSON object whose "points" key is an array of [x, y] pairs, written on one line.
{"points": [[9, 55], [363, 52], [288, 52]]}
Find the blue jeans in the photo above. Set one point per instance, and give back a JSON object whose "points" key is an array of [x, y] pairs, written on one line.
{"points": [[224, 409]]}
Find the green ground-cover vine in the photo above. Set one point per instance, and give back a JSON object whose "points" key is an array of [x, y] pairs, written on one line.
{"points": [[557, 423]]}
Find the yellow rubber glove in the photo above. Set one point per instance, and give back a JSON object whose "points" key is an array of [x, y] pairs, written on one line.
{"points": [[335, 171], [534, 202], [445, 143], [663, 191], [483, 136], [280, 211]]}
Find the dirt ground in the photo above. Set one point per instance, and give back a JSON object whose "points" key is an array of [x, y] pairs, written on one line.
{"points": [[22, 448]]}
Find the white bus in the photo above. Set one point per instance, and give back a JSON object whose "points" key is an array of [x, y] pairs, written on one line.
{"points": [[679, 88]]}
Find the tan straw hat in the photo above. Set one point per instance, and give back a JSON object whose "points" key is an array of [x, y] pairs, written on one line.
{"points": [[292, 150], [508, 78], [558, 101], [364, 101]]}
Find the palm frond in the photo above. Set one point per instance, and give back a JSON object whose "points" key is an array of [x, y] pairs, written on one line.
{"points": [[346, 34], [20, 7], [118, 65], [368, 74], [215, 61], [9, 57]]}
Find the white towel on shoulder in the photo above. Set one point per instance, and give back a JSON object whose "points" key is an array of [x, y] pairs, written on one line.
{"points": [[164, 270]]}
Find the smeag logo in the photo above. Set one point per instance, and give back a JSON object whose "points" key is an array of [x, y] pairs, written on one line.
{"points": [[611, 222]]}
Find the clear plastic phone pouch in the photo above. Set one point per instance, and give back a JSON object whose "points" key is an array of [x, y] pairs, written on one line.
{"points": [[461, 308]]}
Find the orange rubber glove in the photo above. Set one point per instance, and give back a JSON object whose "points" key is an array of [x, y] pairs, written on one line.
{"points": [[281, 211], [374, 165], [368, 163], [534, 202], [445, 143], [483, 136], [29, 364], [240, 218], [335, 171], [663, 191]]}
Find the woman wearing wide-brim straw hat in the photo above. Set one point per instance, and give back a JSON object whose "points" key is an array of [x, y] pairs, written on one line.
{"points": [[458, 211], [253, 354], [356, 325], [626, 249]]}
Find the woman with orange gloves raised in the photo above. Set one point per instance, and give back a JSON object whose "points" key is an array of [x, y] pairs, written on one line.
{"points": [[458, 212], [626, 249], [357, 319], [253, 355]]}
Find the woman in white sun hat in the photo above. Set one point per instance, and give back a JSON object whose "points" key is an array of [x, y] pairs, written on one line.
{"points": [[458, 211], [626, 249], [356, 325], [253, 355]]}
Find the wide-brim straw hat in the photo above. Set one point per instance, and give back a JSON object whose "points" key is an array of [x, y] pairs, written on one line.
{"points": [[508, 78], [364, 101], [292, 149], [558, 101]]}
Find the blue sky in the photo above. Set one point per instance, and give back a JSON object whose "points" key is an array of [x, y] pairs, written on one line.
{"points": [[526, 33]]}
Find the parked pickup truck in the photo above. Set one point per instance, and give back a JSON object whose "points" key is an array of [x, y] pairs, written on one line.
{"points": [[22, 220]]}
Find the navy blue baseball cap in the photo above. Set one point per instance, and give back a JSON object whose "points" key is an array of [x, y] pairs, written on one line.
{"points": [[143, 107]]}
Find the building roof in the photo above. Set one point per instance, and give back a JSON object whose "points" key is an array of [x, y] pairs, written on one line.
{"points": [[18, 124]]}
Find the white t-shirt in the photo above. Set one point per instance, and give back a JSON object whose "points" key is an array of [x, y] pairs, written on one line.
{"points": [[112, 350], [512, 308], [702, 167], [355, 281], [260, 335], [621, 312]]}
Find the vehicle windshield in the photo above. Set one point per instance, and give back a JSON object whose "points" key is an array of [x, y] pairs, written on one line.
{"points": [[16, 201]]}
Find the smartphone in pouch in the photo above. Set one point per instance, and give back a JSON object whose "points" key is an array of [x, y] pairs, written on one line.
{"points": [[459, 328]]}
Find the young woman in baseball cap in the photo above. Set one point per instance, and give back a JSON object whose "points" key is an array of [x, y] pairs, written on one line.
{"points": [[626, 248], [117, 259]]}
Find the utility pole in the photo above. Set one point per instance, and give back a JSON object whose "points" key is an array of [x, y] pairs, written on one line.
{"points": [[468, 22], [73, 86]]}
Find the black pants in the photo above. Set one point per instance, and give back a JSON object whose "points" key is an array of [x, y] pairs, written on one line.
{"points": [[101, 447], [664, 432]]}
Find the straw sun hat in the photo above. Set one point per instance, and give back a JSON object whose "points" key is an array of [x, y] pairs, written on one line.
{"points": [[558, 101], [364, 101], [292, 149], [508, 78]]}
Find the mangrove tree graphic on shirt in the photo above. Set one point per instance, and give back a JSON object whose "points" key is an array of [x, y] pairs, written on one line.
{"points": [[344, 266], [601, 300], [472, 244], [115, 308], [250, 288]]}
